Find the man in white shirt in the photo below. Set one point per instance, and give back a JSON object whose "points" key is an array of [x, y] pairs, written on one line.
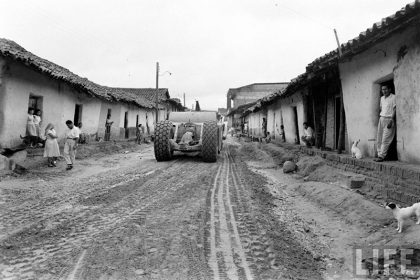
{"points": [[72, 137], [386, 125], [308, 135]]}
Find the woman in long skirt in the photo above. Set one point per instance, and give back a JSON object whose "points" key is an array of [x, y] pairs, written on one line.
{"points": [[51, 150], [30, 125]]}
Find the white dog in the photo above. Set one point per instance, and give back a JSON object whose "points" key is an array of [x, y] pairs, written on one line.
{"points": [[355, 151], [402, 214]]}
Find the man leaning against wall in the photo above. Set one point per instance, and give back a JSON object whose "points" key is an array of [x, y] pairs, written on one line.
{"points": [[386, 125]]}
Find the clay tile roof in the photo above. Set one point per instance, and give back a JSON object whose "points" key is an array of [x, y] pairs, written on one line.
{"points": [[12, 50], [378, 31], [240, 109], [149, 93]]}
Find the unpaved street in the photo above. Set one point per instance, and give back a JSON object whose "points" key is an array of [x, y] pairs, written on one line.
{"points": [[126, 216]]}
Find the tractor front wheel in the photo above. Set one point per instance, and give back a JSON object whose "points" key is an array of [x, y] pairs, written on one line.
{"points": [[162, 144], [210, 139]]}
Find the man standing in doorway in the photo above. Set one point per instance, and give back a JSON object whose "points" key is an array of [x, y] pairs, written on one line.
{"points": [[386, 125], [72, 137]]}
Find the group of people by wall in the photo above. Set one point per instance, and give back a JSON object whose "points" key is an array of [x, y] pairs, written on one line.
{"points": [[73, 137]]}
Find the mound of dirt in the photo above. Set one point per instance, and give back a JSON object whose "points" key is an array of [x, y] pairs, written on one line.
{"points": [[307, 164], [279, 154], [325, 173], [352, 206], [252, 151]]}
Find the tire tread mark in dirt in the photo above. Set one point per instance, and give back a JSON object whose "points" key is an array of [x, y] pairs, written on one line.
{"points": [[213, 254], [260, 247], [99, 222], [240, 250], [36, 215], [224, 233], [231, 258]]}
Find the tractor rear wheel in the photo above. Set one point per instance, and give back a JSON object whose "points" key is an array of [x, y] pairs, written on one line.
{"points": [[209, 142], [162, 145]]}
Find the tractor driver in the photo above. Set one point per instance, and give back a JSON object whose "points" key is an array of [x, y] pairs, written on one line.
{"points": [[188, 136]]}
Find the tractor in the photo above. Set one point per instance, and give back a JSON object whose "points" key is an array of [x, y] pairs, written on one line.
{"points": [[194, 133]]}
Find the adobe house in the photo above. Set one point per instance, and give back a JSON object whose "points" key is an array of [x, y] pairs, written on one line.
{"points": [[324, 101], [255, 116], [249, 94], [313, 97], [386, 53], [287, 108], [235, 116], [27, 80], [166, 104]]}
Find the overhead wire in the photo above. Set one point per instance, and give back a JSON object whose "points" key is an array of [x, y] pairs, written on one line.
{"points": [[305, 16]]}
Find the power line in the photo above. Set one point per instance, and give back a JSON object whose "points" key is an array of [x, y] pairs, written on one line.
{"points": [[304, 16]]}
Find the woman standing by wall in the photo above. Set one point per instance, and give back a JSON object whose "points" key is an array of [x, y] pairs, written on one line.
{"points": [[51, 150]]}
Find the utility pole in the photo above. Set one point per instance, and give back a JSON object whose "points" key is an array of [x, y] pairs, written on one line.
{"points": [[184, 99], [157, 91], [341, 134]]}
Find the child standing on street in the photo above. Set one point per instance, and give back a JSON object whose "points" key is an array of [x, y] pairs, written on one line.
{"points": [[37, 122], [140, 133], [30, 126], [51, 150]]}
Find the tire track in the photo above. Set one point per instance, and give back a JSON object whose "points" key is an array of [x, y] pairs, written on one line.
{"points": [[227, 258], [239, 247], [89, 225], [213, 258], [30, 213]]}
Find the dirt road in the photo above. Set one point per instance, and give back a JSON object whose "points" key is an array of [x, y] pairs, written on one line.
{"points": [[125, 216]]}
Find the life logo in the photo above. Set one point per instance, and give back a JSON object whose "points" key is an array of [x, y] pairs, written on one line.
{"points": [[385, 261]]}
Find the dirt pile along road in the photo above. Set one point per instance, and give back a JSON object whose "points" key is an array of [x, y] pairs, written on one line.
{"points": [[125, 216], [325, 215]]}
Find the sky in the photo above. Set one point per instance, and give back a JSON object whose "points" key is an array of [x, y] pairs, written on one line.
{"points": [[209, 46]]}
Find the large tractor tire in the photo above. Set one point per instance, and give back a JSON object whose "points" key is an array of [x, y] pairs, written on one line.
{"points": [[209, 148], [162, 145]]}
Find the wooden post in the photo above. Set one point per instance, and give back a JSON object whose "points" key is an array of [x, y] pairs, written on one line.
{"points": [[342, 132], [324, 136], [314, 116], [157, 91]]}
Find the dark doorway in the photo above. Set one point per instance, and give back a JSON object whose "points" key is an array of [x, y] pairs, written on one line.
{"points": [[337, 119], [310, 112], [296, 124], [77, 114], [126, 125], [137, 121]]}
